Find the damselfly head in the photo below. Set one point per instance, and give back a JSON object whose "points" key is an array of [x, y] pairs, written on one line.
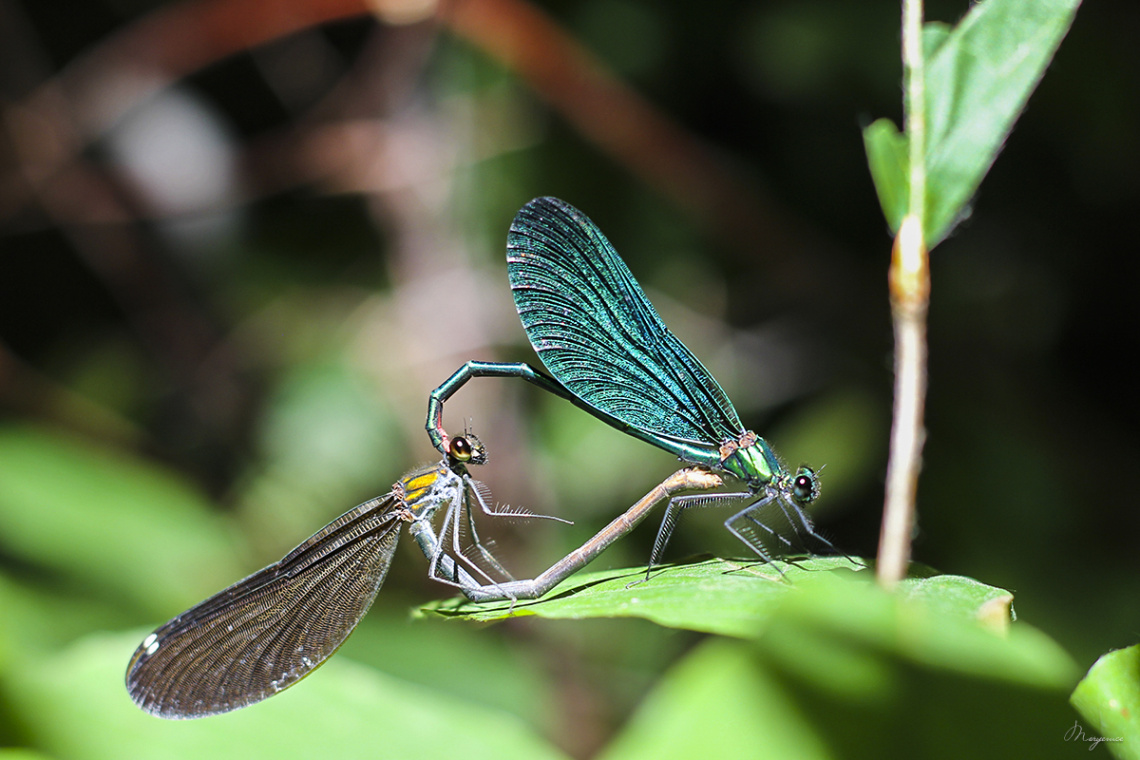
{"points": [[467, 449], [804, 486]]}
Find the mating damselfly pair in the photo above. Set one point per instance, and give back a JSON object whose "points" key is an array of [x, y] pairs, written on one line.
{"points": [[609, 353]]}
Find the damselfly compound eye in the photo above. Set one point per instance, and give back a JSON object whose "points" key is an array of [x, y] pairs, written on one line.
{"points": [[805, 488], [460, 449]]}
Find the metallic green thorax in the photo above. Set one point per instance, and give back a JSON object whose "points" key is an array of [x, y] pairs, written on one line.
{"points": [[751, 459]]}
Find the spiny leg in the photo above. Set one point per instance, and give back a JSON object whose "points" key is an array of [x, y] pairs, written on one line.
{"points": [[673, 512], [459, 572], [479, 494], [749, 514], [483, 498], [441, 566], [474, 492], [450, 569], [800, 524], [809, 529], [748, 538], [453, 526]]}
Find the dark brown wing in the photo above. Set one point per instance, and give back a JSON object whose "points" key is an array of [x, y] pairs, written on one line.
{"points": [[265, 633]]}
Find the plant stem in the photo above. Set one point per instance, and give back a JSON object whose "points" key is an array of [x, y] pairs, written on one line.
{"points": [[914, 82], [909, 279], [910, 289]]}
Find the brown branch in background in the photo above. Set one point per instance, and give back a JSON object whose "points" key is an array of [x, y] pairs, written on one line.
{"points": [[180, 39], [55, 123], [618, 120]]}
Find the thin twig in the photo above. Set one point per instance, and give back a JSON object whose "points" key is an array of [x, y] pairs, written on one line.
{"points": [[910, 296]]}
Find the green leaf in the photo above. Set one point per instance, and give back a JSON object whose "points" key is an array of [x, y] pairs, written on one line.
{"points": [[712, 596], [344, 710], [731, 598], [108, 521], [718, 704], [844, 669], [977, 83], [938, 622], [1109, 699], [963, 596], [934, 34], [979, 77], [942, 620], [887, 158]]}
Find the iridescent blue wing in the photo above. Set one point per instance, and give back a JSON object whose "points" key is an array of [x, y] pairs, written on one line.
{"points": [[598, 334], [265, 633]]}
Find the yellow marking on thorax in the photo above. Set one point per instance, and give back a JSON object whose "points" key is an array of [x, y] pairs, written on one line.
{"points": [[416, 486]]}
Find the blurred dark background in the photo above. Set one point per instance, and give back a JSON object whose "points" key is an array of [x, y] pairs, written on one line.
{"points": [[241, 241]]}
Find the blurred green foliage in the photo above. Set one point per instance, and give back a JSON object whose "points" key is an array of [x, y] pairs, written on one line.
{"points": [[191, 387]]}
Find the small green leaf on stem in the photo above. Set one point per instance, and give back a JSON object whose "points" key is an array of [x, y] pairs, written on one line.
{"points": [[887, 157], [1109, 699], [978, 78]]}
